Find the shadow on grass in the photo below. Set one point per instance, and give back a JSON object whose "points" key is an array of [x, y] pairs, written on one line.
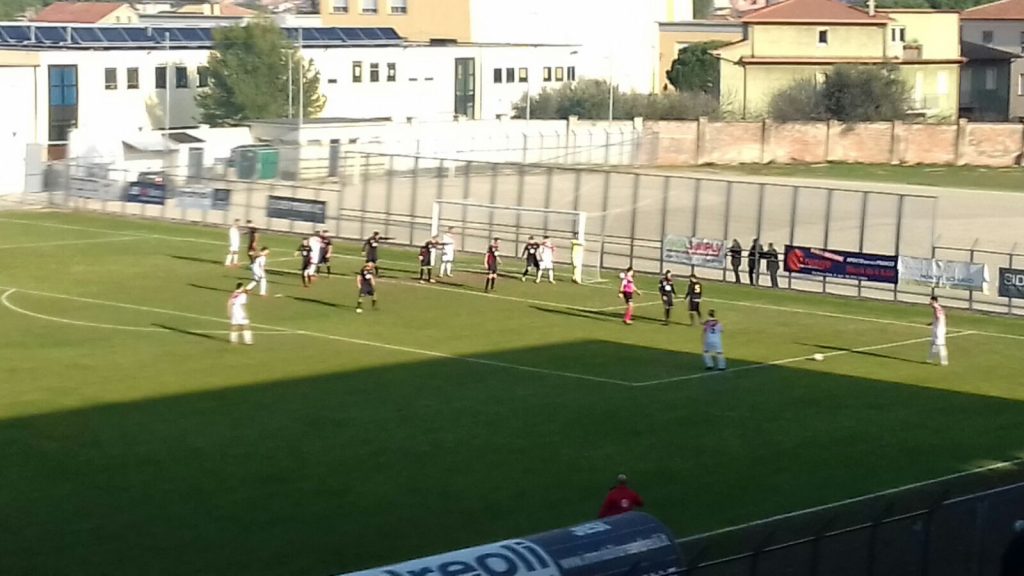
{"points": [[314, 301], [205, 261], [190, 333], [345, 469], [868, 353], [601, 315]]}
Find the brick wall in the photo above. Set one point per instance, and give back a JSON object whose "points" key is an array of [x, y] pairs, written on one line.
{"points": [[679, 143]]}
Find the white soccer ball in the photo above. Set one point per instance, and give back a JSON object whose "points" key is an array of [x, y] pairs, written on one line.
{"points": [[622, 275], [819, 357], [359, 310]]}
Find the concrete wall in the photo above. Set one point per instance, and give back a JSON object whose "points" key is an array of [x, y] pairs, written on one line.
{"points": [[706, 142]]}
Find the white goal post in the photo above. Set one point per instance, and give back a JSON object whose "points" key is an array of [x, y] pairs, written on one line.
{"points": [[475, 224]]}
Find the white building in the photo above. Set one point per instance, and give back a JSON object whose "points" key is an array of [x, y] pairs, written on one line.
{"points": [[122, 80]]}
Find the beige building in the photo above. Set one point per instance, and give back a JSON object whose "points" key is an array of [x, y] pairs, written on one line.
{"points": [[414, 19]]}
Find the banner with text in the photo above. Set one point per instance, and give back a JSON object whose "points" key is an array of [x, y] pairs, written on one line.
{"points": [[298, 209], [94, 188], [146, 193], [1011, 283], [199, 198], [842, 264], [693, 251], [944, 274]]}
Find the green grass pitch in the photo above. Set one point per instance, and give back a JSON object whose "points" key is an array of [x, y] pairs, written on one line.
{"points": [[137, 440]]}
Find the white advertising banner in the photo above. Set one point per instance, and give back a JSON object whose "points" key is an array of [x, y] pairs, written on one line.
{"points": [[944, 274]]}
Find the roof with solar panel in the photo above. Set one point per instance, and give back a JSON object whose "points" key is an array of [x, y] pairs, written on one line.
{"points": [[29, 36]]}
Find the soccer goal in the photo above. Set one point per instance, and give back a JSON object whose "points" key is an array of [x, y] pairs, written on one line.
{"points": [[474, 225]]}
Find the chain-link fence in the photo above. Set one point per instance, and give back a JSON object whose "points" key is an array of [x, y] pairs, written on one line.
{"points": [[629, 213]]}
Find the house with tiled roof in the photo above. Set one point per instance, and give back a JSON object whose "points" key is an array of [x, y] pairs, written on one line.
{"points": [[999, 25], [87, 13], [795, 40]]}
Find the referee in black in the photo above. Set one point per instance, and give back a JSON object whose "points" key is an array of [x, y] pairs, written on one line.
{"points": [[668, 294]]}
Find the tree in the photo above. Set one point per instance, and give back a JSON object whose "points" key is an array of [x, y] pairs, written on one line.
{"points": [[695, 68], [588, 99], [848, 94], [248, 71]]}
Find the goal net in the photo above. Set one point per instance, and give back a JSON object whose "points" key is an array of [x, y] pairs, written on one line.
{"points": [[473, 225]]}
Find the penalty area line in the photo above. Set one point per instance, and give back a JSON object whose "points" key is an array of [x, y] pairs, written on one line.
{"points": [[406, 349], [785, 361]]}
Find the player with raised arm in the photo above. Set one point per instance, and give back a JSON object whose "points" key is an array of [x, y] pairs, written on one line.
{"points": [[713, 342], [326, 251], [259, 271], [694, 293], [491, 262], [370, 247], [234, 243], [447, 253], [668, 294], [938, 325], [367, 284], [238, 315], [305, 253], [627, 290], [547, 260], [530, 251], [254, 238], [425, 257]]}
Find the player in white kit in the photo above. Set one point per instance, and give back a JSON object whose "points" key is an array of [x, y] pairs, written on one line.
{"points": [[713, 342], [259, 272], [938, 325], [447, 253], [547, 260], [234, 243], [316, 245], [239, 316]]}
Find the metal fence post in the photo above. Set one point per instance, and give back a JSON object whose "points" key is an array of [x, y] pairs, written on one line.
{"points": [[725, 226], [389, 190], [899, 241], [863, 223], [828, 224], [1009, 301], [604, 218], [466, 187], [412, 199], [549, 178], [873, 537], [970, 293], [666, 184], [792, 231], [493, 199], [819, 535], [696, 213], [632, 218], [577, 186], [520, 191], [760, 241]]}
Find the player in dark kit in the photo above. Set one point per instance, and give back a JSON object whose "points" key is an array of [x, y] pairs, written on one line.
{"points": [[326, 251], [694, 292], [254, 235], [370, 250], [367, 286], [668, 294], [305, 251], [491, 262], [530, 251], [424, 257]]}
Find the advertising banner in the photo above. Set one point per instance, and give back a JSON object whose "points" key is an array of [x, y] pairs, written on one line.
{"points": [[94, 188], [1011, 283], [944, 274], [630, 544], [146, 193], [298, 209], [842, 264], [200, 198], [693, 251]]}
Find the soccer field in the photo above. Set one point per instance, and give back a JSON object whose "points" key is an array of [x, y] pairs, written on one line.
{"points": [[137, 440]]}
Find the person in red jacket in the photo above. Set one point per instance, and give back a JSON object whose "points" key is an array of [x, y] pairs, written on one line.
{"points": [[620, 499]]}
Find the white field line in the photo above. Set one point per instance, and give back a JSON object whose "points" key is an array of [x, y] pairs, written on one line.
{"points": [[796, 359], [735, 302], [63, 242], [331, 337], [873, 495]]}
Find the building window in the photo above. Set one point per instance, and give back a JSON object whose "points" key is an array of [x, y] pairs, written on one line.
{"points": [[822, 36], [161, 77], [369, 7], [524, 76], [510, 75], [559, 74], [357, 72], [339, 6], [898, 34], [399, 6], [571, 73], [203, 76], [63, 101], [110, 78], [820, 78], [987, 37], [943, 80], [374, 72], [133, 79], [547, 74], [990, 78], [332, 80], [498, 75], [180, 77], [1020, 84], [392, 72]]}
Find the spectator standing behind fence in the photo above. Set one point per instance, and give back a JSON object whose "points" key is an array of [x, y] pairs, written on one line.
{"points": [[736, 258], [1013, 556], [754, 262], [771, 257], [620, 499]]}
